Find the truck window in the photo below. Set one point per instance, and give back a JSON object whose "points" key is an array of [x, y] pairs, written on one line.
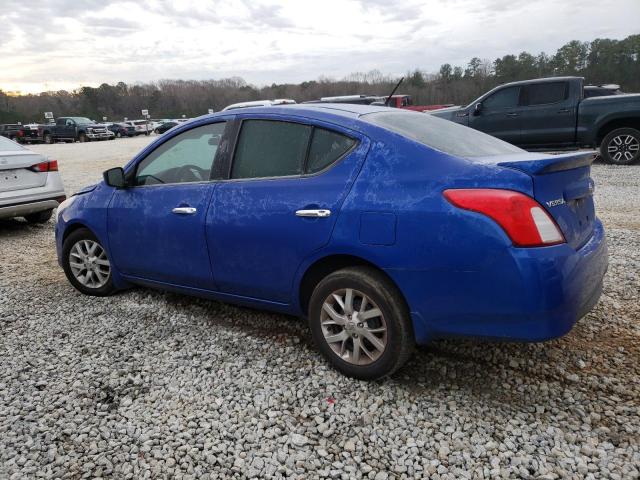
{"points": [[505, 98], [546, 93]]}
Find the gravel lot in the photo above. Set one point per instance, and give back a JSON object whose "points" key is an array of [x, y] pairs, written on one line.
{"points": [[154, 385]]}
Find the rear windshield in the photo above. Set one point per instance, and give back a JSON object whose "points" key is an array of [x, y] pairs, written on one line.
{"points": [[440, 134], [7, 145]]}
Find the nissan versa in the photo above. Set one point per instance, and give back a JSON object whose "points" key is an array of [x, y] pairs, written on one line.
{"points": [[384, 228]]}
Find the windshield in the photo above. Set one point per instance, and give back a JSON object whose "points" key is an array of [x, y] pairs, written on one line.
{"points": [[440, 134], [81, 120], [7, 145]]}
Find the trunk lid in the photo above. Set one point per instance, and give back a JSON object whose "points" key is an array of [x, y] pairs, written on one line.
{"points": [[562, 184], [15, 173]]}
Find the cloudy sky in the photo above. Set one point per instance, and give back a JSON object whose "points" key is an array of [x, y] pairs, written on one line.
{"points": [[56, 44]]}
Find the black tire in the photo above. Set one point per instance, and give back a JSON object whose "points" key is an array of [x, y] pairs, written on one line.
{"points": [[39, 217], [48, 139], [400, 340], [118, 134], [82, 138], [70, 241], [621, 146]]}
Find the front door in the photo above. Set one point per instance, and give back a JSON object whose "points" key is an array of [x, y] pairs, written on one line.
{"points": [[157, 225], [500, 115], [288, 181]]}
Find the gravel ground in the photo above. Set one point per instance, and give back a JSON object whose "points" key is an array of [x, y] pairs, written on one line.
{"points": [[155, 385]]}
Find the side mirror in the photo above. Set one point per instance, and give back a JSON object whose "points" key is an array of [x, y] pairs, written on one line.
{"points": [[114, 177], [477, 109]]}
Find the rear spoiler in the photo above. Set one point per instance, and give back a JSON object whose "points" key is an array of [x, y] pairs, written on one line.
{"points": [[552, 163]]}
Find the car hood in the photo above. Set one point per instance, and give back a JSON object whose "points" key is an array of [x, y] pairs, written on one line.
{"points": [[447, 113]]}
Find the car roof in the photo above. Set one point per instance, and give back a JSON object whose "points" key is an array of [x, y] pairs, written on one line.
{"points": [[541, 80], [312, 109]]}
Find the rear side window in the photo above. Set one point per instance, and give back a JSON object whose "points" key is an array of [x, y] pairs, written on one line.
{"points": [[505, 98], [443, 135], [545, 93], [326, 148], [268, 148]]}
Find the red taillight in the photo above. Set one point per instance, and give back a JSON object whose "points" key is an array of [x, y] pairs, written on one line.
{"points": [[50, 166], [523, 219], [20, 133]]}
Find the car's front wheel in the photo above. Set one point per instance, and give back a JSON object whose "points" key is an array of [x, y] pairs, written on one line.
{"points": [[360, 323], [86, 264], [621, 146]]}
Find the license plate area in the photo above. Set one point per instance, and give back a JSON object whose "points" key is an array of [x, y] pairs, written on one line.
{"points": [[18, 179]]}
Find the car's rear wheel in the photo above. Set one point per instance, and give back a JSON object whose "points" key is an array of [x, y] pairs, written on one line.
{"points": [[39, 217], [621, 146], [86, 264], [360, 323], [48, 138], [118, 134]]}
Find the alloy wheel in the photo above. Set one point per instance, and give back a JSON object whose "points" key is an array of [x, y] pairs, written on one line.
{"points": [[89, 264], [623, 148], [353, 326]]}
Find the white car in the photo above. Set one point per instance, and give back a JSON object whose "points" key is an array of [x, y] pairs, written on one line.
{"points": [[260, 103], [30, 184], [143, 127]]}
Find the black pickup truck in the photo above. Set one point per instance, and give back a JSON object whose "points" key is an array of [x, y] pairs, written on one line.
{"points": [[553, 113], [75, 128]]}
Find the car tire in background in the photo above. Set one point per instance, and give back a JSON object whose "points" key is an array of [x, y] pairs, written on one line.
{"points": [[39, 217], [82, 138], [360, 309], [48, 139], [621, 146], [118, 134], [86, 264]]}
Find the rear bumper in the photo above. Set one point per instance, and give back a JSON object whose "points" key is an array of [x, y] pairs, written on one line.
{"points": [[21, 209], [533, 294]]}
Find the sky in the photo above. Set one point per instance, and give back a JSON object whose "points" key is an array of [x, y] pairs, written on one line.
{"points": [[65, 44]]}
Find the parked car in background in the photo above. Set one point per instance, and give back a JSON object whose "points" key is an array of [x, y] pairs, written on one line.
{"points": [[21, 133], [71, 129], [351, 99], [142, 127], [10, 131], [122, 129], [383, 227], [553, 113], [30, 184], [259, 103], [406, 102], [602, 90], [29, 133], [165, 126]]}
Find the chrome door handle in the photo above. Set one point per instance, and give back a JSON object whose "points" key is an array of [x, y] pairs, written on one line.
{"points": [[184, 210], [512, 114], [313, 213]]}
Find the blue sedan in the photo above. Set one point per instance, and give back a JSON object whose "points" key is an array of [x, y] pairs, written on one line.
{"points": [[384, 228]]}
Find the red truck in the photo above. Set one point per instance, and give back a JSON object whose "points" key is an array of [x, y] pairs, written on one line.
{"points": [[406, 102]]}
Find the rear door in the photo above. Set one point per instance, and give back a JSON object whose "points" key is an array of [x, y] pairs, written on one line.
{"points": [[548, 115], [500, 115], [288, 179]]}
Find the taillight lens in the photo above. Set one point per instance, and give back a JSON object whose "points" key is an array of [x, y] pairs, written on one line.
{"points": [[50, 166], [523, 219]]}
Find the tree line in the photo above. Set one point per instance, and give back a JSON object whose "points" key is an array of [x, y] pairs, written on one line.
{"points": [[599, 61]]}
